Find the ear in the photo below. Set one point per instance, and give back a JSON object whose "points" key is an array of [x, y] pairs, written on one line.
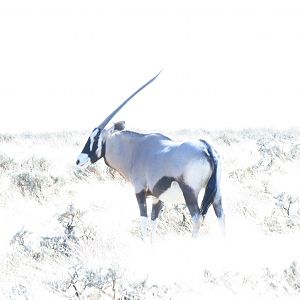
{"points": [[119, 126]]}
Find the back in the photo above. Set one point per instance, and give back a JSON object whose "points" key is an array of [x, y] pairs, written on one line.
{"points": [[157, 156]]}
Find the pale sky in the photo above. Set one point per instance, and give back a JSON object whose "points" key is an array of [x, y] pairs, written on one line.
{"points": [[67, 64]]}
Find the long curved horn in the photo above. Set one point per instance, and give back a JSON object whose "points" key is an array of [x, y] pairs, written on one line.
{"points": [[106, 121]]}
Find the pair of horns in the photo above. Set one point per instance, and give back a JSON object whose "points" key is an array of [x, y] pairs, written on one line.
{"points": [[106, 121]]}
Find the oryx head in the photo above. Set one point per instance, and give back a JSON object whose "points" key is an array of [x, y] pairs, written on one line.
{"points": [[92, 151], [94, 147]]}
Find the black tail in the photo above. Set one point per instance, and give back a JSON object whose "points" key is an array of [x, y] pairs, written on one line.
{"points": [[212, 185]]}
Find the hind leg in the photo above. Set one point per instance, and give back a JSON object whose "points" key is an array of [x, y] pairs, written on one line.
{"points": [[191, 200], [157, 205], [217, 205]]}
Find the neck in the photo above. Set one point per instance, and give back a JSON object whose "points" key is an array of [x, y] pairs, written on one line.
{"points": [[103, 149], [118, 149]]}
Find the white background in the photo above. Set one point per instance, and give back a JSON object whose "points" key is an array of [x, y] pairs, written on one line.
{"points": [[67, 64]]}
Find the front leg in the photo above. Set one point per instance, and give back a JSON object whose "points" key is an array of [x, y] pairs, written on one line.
{"points": [[141, 199]]}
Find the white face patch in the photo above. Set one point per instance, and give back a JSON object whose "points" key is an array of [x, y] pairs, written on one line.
{"points": [[83, 160], [92, 138]]}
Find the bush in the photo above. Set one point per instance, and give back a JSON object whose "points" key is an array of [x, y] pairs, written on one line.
{"points": [[36, 164], [6, 138], [94, 172], [74, 232], [36, 184], [6, 163], [285, 216], [292, 276]]}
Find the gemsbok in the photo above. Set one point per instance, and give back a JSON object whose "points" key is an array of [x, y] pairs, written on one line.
{"points": [[159, 167]]}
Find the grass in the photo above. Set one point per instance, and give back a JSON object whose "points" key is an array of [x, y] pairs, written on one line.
{"points": [[74, 234]]}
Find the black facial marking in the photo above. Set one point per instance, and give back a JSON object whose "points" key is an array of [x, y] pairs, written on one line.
{"points": [[162, 185], [93, 155], [87, 148]]}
